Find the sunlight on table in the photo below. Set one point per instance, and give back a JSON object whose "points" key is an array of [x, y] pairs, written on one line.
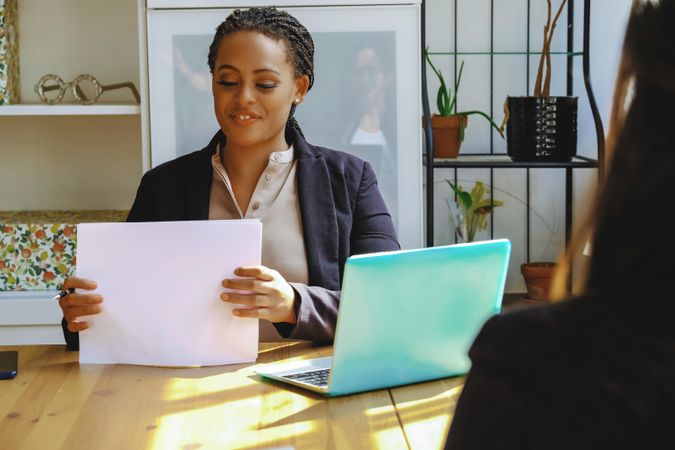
{"points": [[425, 411], [216, 411]]}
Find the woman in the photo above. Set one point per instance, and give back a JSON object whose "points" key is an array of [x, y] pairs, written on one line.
{"points": [[598, 370], [317, 206]]}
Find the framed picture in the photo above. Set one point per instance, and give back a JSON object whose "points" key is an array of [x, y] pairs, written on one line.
{"points": [[367, 61]]}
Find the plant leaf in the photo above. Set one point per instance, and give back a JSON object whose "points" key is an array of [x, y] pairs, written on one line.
{"points": [[441, 104], [439, 101], [485, 203], [477, 192], [436, 71], [463, 196], [489, 119], [443, 107], [484, 210], [446, 103], [453, 104]]}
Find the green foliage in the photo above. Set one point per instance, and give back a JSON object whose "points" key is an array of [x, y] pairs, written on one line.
{"points": [[474, 209], [446, 99]]}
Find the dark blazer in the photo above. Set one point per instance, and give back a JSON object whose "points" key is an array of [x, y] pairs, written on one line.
{"points": [[575, 375], [342, 213]]}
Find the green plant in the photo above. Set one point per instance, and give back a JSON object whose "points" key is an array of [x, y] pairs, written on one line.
{"points": [[474, 207], [446, 99]]}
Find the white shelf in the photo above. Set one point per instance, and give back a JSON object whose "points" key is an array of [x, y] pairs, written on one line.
{"points": [[97, 109], [180, 4], [30, 317]]}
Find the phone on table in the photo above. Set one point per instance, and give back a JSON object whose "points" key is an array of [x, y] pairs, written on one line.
{"points": [[9, 361]]}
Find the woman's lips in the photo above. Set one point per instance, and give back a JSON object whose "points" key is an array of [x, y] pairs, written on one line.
{"points": [[243, 119]]}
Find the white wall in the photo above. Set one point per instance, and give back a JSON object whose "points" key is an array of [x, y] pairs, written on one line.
{"points": [[68, 162], [98, 159], [510, 34], [73, 162]]}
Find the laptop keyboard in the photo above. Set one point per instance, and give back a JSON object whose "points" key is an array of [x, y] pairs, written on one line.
{"points": [[315, 377]]}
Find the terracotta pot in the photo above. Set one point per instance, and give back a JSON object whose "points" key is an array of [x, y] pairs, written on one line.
{"points": [[538, 277], [446, 135]]}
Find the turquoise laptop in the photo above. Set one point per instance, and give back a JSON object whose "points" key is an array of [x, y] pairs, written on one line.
{"points": [[406, 316]]}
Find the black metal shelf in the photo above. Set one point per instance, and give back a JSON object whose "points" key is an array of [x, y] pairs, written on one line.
{"points": [[502, 161], [478, 53]]}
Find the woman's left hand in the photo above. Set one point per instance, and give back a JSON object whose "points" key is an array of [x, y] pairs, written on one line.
{"points": [[269, 295]]}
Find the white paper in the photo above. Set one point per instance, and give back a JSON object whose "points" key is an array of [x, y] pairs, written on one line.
{"points": [[160, 283]]}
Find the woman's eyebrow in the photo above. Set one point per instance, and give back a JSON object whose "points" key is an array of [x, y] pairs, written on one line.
{"points": [[267, 70], [261, 70], [227, 66]]}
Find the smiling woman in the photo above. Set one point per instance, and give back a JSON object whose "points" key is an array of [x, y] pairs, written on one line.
{"points": [[254, 88], [317, 206], [245, 92]]}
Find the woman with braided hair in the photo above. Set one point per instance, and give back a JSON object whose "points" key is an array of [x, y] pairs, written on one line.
{"points": [[317, 206]]}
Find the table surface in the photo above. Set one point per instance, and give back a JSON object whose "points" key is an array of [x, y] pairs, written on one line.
{"points": [[54, 402]]}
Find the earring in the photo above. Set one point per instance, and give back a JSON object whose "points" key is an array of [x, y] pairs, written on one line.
{"points": [[297, 100]]}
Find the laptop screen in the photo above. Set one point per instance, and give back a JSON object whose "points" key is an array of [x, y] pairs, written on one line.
{"points": [[411, 315]]}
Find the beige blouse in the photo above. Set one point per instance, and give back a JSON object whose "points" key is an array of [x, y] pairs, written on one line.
{"points": [[275, 203]]}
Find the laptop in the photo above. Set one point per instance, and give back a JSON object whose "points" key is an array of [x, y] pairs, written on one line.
{"points": [[405, 317]]}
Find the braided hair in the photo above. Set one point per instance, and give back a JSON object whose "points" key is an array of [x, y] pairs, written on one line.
{"points": [[275, 24]]}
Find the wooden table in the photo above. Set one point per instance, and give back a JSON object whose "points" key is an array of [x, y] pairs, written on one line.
{"points": [[56, 403]]}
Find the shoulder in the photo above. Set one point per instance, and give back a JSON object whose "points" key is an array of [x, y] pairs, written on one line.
{"points": [[536, 338], [580, 342], [191, 162], [336, 159], [580, 356], [182, 168], [339, 164]]}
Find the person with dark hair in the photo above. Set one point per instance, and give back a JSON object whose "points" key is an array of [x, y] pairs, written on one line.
{"points": [[318, 206], [597, 370], [370, 108]]}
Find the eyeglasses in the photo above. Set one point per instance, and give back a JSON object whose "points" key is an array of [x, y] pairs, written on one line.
{"points": [[51, 89]]}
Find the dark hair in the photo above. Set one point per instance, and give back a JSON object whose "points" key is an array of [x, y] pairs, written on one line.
{"points": [[632, 217], [278, 25]]}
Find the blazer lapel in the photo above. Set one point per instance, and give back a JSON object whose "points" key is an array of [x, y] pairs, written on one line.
{"points": [[199, 181], [319, 220], [317, 206]]}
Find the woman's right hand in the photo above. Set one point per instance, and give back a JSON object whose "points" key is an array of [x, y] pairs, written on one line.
{"points": [[79, 304]]}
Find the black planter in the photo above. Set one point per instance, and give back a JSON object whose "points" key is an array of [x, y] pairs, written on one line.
{"points": [[542, 128]]}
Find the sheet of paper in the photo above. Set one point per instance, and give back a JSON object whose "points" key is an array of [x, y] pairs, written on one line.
{"points": [[160, 283]]}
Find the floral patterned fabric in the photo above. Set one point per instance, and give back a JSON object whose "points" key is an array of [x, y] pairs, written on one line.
{"points": [[37, 248], [9, 53]]}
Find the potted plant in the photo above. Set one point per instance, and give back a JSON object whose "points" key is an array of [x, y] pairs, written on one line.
{"points": [[448, 125], [538, 277], [541, 127], [469, 213]]}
